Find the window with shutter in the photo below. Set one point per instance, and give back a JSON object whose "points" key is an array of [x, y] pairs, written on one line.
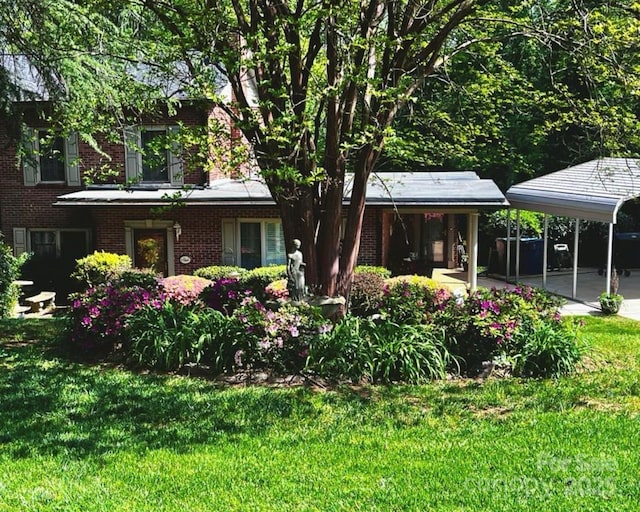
{"points": [[51, 159], [152, 155]]}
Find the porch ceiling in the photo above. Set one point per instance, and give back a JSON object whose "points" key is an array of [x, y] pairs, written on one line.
{"points": [[593, 190], [408, 189]]}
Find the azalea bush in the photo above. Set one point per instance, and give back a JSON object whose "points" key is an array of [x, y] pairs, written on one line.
{"points": [[98, 316], [492, 324], [277, 290], [225, 294], [367, 293], [408, 299], [277, 339], [184, 289]]}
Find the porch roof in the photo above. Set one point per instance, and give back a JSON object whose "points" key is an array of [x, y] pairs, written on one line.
{"points": [[450, 189], [592, 190]]}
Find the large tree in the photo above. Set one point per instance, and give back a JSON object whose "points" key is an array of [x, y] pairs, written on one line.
{"points": [[316, 87]]}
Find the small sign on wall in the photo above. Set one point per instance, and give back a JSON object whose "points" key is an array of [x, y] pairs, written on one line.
{"points": [[185, 260]]}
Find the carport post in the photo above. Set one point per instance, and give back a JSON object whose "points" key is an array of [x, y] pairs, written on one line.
{"points": [[544, 253], [609, 257], [576, 238], [508, 248], [517, 246]]}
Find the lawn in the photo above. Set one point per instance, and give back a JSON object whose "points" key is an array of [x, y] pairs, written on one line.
{"points": [[97, 437]]}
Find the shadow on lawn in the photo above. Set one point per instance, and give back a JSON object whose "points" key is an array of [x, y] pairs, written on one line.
{"points": [[53, 406]]}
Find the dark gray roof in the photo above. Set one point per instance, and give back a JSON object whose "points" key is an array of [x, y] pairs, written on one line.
{"points": [[31, 86], [419, 189], [593, 190]]}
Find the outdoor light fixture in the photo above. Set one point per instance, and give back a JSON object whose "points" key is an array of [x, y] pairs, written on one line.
{"points": [[178, 229]]}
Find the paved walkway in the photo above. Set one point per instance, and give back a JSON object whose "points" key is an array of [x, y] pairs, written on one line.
{"points": [[589, 286]]}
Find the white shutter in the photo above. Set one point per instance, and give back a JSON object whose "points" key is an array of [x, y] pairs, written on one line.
{"points": [[229, 242], [31, 159], [132, 160], [176, 173], [19, 241], [71, 160]]}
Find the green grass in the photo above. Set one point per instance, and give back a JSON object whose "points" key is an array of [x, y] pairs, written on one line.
{"points": [[96, 437]]}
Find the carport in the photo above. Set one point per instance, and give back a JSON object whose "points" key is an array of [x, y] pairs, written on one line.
{"points": [[592, 191]]}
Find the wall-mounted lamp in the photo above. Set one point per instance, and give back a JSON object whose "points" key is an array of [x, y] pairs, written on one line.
{"points": [[178, 230]]}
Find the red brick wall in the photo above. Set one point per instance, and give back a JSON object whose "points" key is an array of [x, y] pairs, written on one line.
{"points": [[201, 237], [31, 207]]}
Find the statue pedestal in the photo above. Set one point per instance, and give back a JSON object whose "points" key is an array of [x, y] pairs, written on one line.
{"points": [[328, 305]]}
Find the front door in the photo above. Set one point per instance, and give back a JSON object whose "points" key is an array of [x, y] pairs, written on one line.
{"points": [[150, 249]]}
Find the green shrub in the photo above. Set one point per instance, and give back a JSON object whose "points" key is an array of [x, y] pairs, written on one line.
{"points": [[259, 278], [100, 267], [9, 271], [216, 272], [142, 277], [367, 292], [383, 272]]}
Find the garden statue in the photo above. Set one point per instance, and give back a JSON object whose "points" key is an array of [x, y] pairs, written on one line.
{"points": [[295, 273]]}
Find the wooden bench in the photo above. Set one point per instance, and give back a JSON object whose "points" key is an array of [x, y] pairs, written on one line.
{"points": [[41, 301]]}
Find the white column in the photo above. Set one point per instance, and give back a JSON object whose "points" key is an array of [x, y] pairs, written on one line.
{"points": [[517, 245], [544, 253], [508, 247], [472, 246], [576, 238], [610, 258]]}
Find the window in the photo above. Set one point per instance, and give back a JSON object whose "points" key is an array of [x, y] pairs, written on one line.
{"points": [[50, 159], [152, 156], [259, 242], [57, 243], [155, 157]]}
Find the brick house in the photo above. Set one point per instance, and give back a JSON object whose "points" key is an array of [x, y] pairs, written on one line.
{"points": [[413, 222]]}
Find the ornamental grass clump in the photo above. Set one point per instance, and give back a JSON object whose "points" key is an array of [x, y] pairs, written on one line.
{"points": [[174, 334], [381, 351]]}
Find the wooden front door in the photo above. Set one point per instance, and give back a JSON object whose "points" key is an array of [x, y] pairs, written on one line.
{"points": [[150, 247]]}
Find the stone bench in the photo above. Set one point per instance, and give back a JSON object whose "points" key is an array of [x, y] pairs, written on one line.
{"points": [[41, 301]]}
